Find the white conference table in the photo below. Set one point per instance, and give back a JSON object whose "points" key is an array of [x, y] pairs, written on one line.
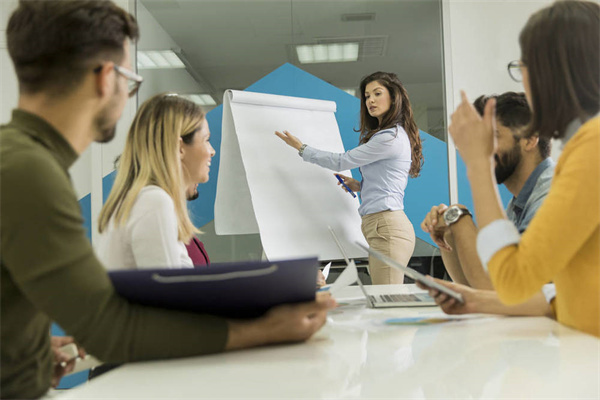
{"points": [[358, 355]]}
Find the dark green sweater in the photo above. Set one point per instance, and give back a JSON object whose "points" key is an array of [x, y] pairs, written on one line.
{"points": [[49, 273]]}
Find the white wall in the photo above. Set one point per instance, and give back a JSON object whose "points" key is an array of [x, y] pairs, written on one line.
{"points": [[154, 37], [8, 83], [96, 161], [480, 39], [100, 162]]}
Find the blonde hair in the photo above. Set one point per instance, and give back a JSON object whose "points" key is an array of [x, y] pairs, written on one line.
{"points": [[151, 157]]}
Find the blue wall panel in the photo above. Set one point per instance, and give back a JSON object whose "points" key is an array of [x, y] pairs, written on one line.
{"points": [[86, 211], [107, 183], [431, 187]]}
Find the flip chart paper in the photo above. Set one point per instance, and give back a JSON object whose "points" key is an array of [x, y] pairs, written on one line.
{"points": [[265, 187]]}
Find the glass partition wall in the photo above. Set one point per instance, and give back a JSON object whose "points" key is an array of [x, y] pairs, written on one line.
{"points": [[202, 48]]}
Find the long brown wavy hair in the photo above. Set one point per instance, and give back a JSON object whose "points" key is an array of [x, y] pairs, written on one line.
{"points": [[400, 112]]}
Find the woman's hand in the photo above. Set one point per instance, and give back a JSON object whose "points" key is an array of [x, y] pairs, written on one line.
{"points": [[352, 183], [474, 136], [472, 298], [289, 139], [475, 140]]}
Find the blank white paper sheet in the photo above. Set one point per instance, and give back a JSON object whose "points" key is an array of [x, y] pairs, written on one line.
{"points": [[265, 187]]}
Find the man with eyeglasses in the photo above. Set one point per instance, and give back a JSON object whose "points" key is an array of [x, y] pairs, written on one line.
{"points": [[74, 71], [523, 165]]}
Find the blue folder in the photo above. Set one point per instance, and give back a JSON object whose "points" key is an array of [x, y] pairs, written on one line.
{"points": [[236, 290]]}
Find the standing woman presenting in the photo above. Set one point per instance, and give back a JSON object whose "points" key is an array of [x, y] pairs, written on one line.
{"points": [[389, 152]]}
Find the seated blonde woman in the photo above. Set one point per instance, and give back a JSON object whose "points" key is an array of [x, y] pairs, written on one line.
{"points": [[145, 222]]}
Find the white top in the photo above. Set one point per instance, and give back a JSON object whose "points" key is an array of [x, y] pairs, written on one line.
{"points": [[498, 235], [148, 239]]}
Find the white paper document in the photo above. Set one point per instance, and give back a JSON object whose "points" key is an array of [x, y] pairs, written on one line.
{"points": [[265, 187], [348, 277], [326, 270]]}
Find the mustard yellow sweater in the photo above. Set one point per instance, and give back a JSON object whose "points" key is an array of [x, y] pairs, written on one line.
{"points": [[562, 242]]}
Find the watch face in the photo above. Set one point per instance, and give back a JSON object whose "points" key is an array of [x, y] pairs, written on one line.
{"points": [[451, 215]]}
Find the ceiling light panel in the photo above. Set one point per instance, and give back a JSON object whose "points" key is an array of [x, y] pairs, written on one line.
{"points": [[158, 60], [368, 46], [202, 99], [327, 53]]}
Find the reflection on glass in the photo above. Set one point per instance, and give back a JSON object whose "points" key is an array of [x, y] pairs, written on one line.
{"points": [[230, 44]]}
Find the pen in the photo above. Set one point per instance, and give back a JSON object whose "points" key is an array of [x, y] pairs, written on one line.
{"points": [[344, 185]]}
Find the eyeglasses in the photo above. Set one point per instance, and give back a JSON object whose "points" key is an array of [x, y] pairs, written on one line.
{"points": [[514, 70], [134, 81]]}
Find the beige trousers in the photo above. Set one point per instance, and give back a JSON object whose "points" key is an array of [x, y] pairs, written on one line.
{"points": [[390, 233]]}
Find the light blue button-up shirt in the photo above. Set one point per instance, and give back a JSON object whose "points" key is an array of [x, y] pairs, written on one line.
{"points": [[384, 163], [521, 209]]}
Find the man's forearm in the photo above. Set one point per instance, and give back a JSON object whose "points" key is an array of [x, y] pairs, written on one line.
{"points": [[464, 234], [452, 263], [244, 334]]}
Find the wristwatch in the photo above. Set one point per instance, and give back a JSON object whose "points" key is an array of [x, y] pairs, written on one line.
{"points": [[453, 214], [301, 150]]}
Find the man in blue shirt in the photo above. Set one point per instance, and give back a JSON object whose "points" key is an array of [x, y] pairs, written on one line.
{"points": [[522, 165]]}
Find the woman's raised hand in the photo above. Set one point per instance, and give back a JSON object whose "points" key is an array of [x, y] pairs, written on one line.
{"points": [[289, 139], [474, 136]]}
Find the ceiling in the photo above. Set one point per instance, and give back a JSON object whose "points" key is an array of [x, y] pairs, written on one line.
{"points": [[230, 44]]}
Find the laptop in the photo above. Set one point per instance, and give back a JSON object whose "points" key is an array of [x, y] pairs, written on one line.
{"points": [[411, 273], [383, 297]]}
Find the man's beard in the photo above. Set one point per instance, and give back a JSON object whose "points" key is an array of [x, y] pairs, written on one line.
{"points": [[506, 163], [107, 134], [105, 127]]}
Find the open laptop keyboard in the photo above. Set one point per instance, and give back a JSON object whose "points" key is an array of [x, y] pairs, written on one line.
{"points": [[398, 298]]}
